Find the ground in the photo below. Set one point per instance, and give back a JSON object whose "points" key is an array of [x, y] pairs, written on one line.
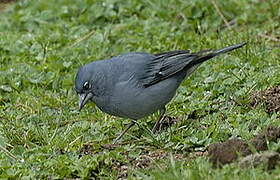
{"points": [[222, 124]]}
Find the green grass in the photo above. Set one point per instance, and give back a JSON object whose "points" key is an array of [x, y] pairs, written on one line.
{"points": [[42, 44]]}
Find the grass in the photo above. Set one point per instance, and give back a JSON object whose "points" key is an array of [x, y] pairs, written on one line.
{"points": [[42, 44]]}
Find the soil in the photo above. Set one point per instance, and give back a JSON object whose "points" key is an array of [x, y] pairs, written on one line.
{"points": [[144, 161], [87, 149], [227, 152], [233, 149], [270, 134], [269, 97], [268, 160]]}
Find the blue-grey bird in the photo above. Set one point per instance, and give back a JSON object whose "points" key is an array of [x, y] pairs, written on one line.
{"points": [[135, 85]]}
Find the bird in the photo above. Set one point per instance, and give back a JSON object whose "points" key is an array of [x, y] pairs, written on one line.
{"points": [[135, 85]]}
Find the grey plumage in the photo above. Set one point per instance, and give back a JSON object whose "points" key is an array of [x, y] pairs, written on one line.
{"points": [[135, 85]]}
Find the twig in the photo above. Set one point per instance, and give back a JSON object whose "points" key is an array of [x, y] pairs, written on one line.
{"points": [[220, 13], [269, 37], [75, 140], [231, 23], [8, 153], [82, 38]]}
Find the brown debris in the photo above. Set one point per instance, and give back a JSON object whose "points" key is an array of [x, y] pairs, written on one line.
{"points": [[270, 134], [194, 155], [146, 159], [122, 170], [268, 160], [269, 97], [143, 161], [87, 149], [229, 151]]}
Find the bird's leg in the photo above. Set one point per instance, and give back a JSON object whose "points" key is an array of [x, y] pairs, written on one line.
{"points": [[126, 129], [161, 118]]}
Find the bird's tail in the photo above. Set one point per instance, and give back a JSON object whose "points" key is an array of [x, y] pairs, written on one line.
{"points": [[208, 54], [229, 48]]}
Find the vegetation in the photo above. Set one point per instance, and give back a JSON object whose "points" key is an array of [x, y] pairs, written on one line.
{"points": [[42, 44]]}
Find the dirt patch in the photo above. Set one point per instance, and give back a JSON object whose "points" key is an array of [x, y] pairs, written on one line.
{"points": [[194, 155], [144, 161], [86, 149], [270, 134], [269, 97], [229, 151], [268, 160]]}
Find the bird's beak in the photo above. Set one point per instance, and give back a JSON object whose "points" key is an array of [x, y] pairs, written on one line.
{"points": [[83, 99]]}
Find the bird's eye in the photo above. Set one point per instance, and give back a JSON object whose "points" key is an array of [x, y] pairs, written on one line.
{"points": [[86, 86]]}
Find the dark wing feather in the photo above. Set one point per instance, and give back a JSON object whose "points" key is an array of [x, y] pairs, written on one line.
{"points": [[166, 64]]}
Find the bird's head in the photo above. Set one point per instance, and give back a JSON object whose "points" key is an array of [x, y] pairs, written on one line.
{"points": [[84, 86]]}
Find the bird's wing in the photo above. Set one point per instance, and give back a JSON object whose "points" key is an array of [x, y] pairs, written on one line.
{"points": [[164, 65]]}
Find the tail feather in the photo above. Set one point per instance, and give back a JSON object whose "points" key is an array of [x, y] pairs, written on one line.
{"points": [[164, 65], [204, 55], [229, 48]]}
